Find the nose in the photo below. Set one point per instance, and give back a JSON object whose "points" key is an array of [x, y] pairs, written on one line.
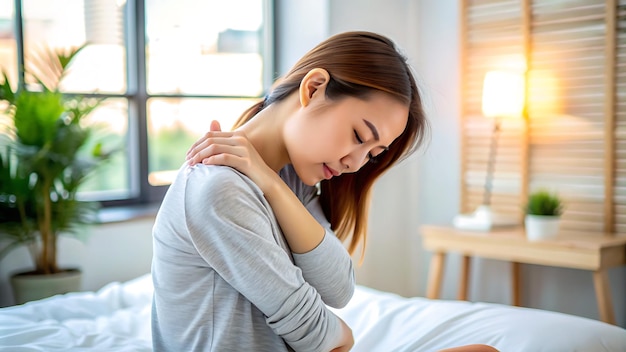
{"points": [[354, 160]]}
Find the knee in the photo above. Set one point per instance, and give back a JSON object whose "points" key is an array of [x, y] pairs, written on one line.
{"points": [[471, 348]]}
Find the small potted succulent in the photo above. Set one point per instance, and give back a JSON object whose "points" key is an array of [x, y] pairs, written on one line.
{"points": [[543, 215]]}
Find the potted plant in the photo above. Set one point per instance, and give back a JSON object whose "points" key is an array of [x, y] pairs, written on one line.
{"points": [[42, 165], [543, 215]]}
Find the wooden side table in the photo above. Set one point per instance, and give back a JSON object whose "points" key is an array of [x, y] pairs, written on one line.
{"points": [[596, 252]]}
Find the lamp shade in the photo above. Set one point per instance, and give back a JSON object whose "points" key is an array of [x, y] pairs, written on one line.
{"points": [[503, 94]]}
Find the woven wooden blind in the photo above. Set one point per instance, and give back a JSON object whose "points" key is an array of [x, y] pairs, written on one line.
{"points": [[572, 139], [620, 119], [492, 38]]}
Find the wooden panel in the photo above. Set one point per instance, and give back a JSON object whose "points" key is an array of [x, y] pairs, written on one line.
{"points": [[619, 187], [566, 100], [492, 38], [575, 139]]}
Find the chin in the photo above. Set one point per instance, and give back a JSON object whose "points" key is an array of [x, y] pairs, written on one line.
{"points": [[309, 182], [312, 181]]}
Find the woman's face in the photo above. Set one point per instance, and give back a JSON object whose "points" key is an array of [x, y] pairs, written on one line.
{"points": [[327, 138]]}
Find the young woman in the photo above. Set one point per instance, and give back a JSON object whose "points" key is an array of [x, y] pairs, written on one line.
{"points": [[247, 250]]}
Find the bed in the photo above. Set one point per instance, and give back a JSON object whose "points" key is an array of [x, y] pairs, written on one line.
{"points": [[117, 318]]}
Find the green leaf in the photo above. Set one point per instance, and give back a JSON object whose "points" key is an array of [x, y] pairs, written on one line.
{"points": [[542, 202], [36, 116], [97, 150], [6, 92]]}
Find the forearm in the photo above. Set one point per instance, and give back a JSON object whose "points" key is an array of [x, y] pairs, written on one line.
{"points": [[301, 230], [347, 339], [329, 269], [327, 266]]}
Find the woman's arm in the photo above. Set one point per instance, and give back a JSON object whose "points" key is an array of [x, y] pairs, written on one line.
{"points": [[239, 243], [328, 267], [324, 261]]}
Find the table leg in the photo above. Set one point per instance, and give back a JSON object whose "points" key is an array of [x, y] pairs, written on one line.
{"points": [[603, 295], [465, 272], [436, 275], [517, 283]]}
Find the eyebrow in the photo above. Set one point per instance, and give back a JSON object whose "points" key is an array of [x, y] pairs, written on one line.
{"points": [[374, 132], [373, 128]]}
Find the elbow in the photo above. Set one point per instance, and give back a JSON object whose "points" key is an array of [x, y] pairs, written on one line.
{"points": [[304, 323], [341, 301], [340, 297]]}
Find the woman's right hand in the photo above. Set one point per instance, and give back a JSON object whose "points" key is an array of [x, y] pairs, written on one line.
{"points": [[231, 149], [347, 339]]}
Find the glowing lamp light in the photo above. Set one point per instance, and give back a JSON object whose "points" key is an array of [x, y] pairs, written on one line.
{"points": [[503, 94], [503, 97]]}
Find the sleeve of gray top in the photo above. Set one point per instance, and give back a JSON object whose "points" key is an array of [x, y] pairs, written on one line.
{"points": [[329, 269], [238, 244]]}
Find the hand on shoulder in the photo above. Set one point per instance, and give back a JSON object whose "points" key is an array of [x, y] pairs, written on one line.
{"points": [[231, 149]]}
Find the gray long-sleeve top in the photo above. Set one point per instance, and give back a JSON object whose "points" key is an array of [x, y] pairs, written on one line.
{"points": [[224, 276]]}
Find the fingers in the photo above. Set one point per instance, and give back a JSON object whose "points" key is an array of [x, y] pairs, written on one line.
{"points": [[208, 136], [227, 140], [204, 147], [231, 160], [215, 126], [215, 146], [214, 130]]}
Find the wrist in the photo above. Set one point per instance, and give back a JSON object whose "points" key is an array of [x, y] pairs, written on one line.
{"points": [[271, 185]]}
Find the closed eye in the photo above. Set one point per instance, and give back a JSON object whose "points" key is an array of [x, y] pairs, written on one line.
{"points": [[370, 157], [358, 138]]}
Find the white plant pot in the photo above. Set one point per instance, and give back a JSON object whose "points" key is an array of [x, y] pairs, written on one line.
{"points": [[541, 227], [31, 287]]}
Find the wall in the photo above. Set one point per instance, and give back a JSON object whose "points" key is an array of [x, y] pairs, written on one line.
{"points": [[299, 25]]}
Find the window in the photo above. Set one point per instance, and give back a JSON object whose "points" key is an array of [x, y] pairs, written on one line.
{"points": [[167, 68], [573, 137]]}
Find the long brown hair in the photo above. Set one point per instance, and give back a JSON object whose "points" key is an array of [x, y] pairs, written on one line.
{"points": [[358, 63]]}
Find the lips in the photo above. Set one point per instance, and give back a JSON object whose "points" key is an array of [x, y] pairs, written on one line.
{"points": [[329, 172]]}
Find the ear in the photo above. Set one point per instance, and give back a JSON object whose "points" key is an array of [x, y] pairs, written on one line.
{"points": [[313, 84]]}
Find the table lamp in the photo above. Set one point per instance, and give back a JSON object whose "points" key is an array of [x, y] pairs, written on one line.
{"points": [[503, 97]]}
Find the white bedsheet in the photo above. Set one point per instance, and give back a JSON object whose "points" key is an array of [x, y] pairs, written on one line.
{"points": [[383, 321], [117, 318]]}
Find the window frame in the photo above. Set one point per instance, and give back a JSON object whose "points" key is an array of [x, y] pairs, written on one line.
{"points": [[141, 192]]}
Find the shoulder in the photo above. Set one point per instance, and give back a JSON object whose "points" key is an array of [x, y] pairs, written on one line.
{"points": [[213, 183], [214, 173], [220, 200]]}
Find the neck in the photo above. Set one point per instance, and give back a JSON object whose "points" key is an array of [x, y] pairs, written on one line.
{"points": [[265, 132]]}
